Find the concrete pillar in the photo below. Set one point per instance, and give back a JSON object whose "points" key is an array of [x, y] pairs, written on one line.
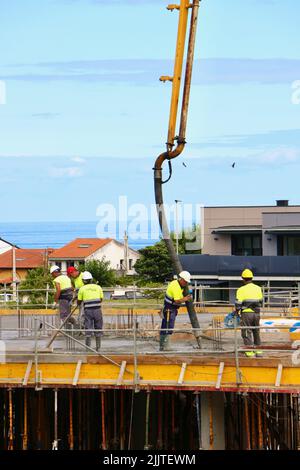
{"points": [[212, 420]]}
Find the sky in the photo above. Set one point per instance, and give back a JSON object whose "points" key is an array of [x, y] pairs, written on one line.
{"points": [[83, 114]]}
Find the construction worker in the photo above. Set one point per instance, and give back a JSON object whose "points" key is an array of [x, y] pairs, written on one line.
{"points": [[76, 277], [248, 301], [63, 292], [91, 296], [77, 282], [173, 299]]}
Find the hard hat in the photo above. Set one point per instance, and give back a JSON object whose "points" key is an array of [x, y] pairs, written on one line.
{"points": [[86, 276], [185, 275], [71, 270], [247, 274], [54, 268]]}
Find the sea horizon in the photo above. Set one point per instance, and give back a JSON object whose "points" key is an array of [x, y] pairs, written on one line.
{"points": [[55, 234]]}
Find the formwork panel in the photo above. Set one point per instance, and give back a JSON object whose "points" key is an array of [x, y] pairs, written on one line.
{"points": [[152, 375]]}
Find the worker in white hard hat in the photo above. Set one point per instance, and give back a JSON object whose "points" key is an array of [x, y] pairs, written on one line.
{"points": [[63, 292], [91, 295], [173, 299], [248, 301]]}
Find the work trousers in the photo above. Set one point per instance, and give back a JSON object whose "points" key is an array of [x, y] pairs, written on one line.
{"points": [[93, 321], [250, 319], [168, 321], [64, 308]]}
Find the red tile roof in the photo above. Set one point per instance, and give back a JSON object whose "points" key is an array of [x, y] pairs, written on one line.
{"points": [[80, 248], [25, 258]]}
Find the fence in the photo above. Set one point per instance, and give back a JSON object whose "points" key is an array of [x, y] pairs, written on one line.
{"points": [[273, 297]]}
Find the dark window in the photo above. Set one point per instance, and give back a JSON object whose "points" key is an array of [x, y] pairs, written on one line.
{"points": [[130, 264], [246, 245], [288, 245]]}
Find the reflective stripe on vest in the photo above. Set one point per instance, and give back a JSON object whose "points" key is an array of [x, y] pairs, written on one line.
{"points": [[169, 302], [251, 304], [95, 303]]}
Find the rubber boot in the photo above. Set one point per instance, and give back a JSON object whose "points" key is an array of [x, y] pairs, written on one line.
{"points": [[98, 343], [88, 341], [167, 343], [162, 342]]}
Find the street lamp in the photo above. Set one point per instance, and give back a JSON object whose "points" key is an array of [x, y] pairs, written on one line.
{"points": [[176, 222]]}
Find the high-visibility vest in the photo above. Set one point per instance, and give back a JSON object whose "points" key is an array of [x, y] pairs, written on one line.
{"points": [[174, 292], [91, 295], [64, 282], [78, 282], [247, 294]]}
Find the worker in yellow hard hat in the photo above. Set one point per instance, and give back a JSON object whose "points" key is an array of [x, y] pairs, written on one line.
{"points": [[248, 301]]}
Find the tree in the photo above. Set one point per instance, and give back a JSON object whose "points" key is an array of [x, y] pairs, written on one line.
{"points": [[35, 285], [155, 263], [127, 280], [187, 239], [101, 272]]}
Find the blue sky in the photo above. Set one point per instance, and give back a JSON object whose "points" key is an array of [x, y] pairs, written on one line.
{"points": [[85, 115]]}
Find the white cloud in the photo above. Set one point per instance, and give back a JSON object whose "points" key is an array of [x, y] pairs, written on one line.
{"points": [[68, 172], [78, 160], [280, 155]]}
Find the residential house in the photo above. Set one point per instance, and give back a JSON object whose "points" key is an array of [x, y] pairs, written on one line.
{"points": [[5, 246], [121, 257], [21, 260], [252, 230], [265, 239]]}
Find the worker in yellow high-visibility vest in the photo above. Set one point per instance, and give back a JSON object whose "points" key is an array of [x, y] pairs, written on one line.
{"points": [[91, 296], [76, 277], [63, 292], [77, 282], [174, 297], [248, 301]]}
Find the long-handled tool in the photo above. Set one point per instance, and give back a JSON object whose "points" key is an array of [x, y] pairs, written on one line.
{"points": [[60, 328], [171, 152]]}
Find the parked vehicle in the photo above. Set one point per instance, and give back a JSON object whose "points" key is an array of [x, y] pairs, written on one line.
{"points": [[127, 295], [5, 297]]}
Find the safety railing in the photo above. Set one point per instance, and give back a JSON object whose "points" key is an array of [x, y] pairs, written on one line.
{"points": [[281, 297]]}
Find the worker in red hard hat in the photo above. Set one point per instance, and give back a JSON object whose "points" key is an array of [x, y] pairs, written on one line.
{"points": [[76, 277], [248, 301]]}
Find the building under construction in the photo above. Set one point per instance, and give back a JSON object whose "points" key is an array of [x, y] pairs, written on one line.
{"points": [[56, 394]]}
